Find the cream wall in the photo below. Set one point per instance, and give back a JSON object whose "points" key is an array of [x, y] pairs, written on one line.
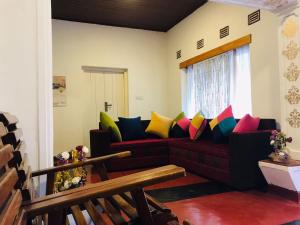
{"points": [[153, 69], [205, 23], [24, 68], [143, 53]]}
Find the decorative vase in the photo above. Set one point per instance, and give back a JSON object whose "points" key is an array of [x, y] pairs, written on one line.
{"points": [[280, 156]]}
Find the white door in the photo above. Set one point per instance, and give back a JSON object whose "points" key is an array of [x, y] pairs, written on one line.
{"points": [[110, 94], [107, 93]]}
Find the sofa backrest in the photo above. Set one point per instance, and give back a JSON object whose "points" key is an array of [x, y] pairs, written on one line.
{"points": [[265, 124], [145, 124]]}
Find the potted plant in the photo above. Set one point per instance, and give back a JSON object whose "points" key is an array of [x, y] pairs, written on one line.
{"points": [[279, 142]]}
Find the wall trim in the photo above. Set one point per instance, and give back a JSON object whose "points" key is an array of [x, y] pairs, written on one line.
{"points": [[217, 51], [45, 97], [100, 69]]}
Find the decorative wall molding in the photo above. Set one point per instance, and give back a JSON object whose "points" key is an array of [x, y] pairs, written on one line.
{"points": [[294, 119], [292, 73], [275, 6], [293, 96], [291, 51]]}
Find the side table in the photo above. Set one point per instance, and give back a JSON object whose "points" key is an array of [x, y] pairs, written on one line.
{"points": [[283, 178]]}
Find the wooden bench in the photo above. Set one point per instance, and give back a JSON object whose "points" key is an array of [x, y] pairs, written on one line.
{"points": [[117, 201]]}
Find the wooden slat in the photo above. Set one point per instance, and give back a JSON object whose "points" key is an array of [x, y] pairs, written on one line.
{"points": [[6, 154], [125, 206], [217, 51], [78, 216], [157, 205], [112, 212], [50, 183], [100, 167], [16, 160], [18, 133], [10, 138], [19, 155], [9, 213], [21, 218], [79, 164], [28, 189], [94, 214], [142, 206], [21, 147], [127, 196], [56, 216], [7, 183], [23, 169], [3, 130], [104, 189], [10, 119]]}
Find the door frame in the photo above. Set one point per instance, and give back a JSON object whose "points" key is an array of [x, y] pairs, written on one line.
{"points": [[44, 89], [99, 69]]}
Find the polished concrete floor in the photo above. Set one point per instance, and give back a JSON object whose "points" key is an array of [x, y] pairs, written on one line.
{"points": [[230, 208]]}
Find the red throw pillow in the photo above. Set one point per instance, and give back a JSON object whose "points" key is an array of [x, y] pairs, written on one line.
{"points": [[247, 124]]}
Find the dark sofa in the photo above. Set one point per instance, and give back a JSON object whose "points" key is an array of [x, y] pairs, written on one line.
{"points": [[234, 162]]}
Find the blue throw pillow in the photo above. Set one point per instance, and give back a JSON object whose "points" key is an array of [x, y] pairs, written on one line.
{"points": [[131, 128], [227, 126]]}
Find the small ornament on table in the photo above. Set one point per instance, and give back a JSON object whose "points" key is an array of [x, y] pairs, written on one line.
{"points": [[279, 142], [71, 178]]}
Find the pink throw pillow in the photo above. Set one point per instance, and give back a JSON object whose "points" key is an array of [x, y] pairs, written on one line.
{"points": [[227, 113], [184, 123], [247, 124]]}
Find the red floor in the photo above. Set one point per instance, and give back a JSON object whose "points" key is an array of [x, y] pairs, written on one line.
{"points": [[231, 208], [237, 208]]}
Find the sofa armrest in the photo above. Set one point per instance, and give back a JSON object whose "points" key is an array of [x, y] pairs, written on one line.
{"points": [[245, 150], [100, 142]]}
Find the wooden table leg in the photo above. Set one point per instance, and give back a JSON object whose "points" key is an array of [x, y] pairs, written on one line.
{"points": [[57, 217], [142, 206]]}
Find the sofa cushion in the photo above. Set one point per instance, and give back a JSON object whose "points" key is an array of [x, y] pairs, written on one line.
{"points": [[223, 125], [143, 148], [247, 124], [197, 126], [203, 146], [180, 126], [131, 128], [145, 143], [159, 125], [108, 123], [138, 143]]}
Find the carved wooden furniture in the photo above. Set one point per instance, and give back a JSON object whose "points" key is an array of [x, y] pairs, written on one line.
{"points": [[117, 201]]}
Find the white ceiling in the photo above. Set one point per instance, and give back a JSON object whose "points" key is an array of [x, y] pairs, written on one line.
{"points": [[276, 6]]}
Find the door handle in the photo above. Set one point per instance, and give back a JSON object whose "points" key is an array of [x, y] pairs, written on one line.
{"points": [[107, 106]]}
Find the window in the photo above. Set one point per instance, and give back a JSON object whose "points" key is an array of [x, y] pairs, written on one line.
{"points": [[213, 84]]}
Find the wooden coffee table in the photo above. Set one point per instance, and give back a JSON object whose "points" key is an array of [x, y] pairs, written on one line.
{"points": [[283, 178]]}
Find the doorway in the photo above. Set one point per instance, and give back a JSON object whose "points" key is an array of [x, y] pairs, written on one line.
{"points": [[108, 92]]}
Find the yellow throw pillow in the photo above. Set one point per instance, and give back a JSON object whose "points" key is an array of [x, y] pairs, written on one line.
{"points": [[159, 125]]}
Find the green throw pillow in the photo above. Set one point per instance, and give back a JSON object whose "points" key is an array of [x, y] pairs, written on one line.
{"points": [[108, 123]]}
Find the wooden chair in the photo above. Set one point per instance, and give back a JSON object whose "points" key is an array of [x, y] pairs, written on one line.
{"points": [[117, 201]]}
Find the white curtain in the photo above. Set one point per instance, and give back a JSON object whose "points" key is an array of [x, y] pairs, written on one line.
{"points": [[211, 85]]}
